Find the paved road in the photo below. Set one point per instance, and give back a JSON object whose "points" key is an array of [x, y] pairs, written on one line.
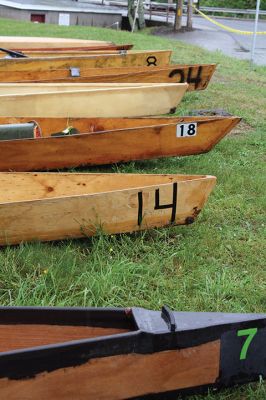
{"points": [[212, 37]]}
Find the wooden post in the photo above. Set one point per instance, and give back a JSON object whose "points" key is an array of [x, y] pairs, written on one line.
{"points": [[178, 16], [189, 14]]}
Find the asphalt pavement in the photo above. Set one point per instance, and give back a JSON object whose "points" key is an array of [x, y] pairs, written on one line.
{"points": [[212, 37]]}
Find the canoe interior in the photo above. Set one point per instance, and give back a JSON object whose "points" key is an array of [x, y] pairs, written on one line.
{"points": [[28, 327], [17, 187], [49, 126], [29, 88], [21, 336]]}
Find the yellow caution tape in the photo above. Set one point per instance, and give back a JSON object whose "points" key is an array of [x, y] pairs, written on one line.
{"points": [[227, 28]]}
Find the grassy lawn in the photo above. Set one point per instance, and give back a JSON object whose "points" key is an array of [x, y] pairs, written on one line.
{"points": [[216, 264]]}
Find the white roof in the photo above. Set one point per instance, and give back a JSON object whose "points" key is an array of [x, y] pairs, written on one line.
{"points": [[59, 5]]}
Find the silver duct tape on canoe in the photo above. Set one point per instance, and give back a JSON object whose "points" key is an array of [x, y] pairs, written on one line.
{"points": [[20, 131]]}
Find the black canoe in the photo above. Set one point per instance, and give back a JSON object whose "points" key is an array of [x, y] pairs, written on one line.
{"points": [[105, 353]]}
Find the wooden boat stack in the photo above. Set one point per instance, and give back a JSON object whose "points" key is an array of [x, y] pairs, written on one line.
{"points": [[68, 103]]}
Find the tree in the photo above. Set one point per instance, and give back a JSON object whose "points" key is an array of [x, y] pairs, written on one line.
{"points": [[178, 16], [133, 10]]}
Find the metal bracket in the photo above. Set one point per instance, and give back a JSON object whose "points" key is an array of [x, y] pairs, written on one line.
{"points": [[74, 72], [168, 317]]}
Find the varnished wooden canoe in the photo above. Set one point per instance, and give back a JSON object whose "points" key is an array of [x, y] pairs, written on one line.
{"points": [[136, 59], [66, 51], [197, 76], [31, 42], [52, 206], [131, 353], [90, 100], [107, 140]]}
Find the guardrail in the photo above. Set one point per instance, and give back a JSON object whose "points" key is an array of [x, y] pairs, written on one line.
{"points": [[152, 7]]}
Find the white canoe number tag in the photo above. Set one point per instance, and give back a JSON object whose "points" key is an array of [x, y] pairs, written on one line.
{"points": [[186, 130]]}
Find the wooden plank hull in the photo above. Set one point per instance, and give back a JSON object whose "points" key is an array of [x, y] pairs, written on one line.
{"points": [[117, 354], [71, 51], [28, 42], [103, 100], [52, 206], [106, 141], [197, 76], [137, 59]]}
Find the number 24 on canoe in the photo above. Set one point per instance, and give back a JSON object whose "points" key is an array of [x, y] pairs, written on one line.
{"points": [[53, 206]]}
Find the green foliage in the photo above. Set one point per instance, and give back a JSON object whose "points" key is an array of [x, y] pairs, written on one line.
{"points": [[251, 4], [216, 264]]}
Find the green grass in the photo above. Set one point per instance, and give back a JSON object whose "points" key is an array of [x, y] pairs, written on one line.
{"points": [[216, 264]]}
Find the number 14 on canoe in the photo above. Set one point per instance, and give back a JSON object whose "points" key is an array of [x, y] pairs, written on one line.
{"points": [[52, 206]]}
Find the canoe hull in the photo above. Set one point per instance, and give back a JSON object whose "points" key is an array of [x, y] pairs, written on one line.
{"points": [[61, 206], [136, 139], [129, 353], [126, 101], [197, 76], [136, 59], [28, 42]]}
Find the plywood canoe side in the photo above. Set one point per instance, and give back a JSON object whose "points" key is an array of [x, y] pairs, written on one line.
{"points": [[72, 51], [60, 206], [124, 102], [197, 76], [25, 336], [14, 42], [122, 377], [139, 59], [111, 146]]}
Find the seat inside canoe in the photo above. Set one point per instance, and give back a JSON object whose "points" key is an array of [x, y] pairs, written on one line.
{"points": [[16, 187]]}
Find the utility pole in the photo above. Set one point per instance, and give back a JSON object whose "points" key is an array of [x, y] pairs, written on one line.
{"points": [[178, 16], [255, 32], [189, 14]]}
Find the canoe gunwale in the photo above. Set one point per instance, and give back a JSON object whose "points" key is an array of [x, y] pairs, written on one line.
{"points": [[192, 178], [200, 120], [154, 340]]}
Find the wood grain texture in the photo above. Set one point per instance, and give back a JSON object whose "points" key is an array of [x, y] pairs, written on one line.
{"points": [[197, 76], [72, 51], [138, 59], [51, 206], [13, 337], [126, 101], [126, 140], [15, 42], [122, 377]]}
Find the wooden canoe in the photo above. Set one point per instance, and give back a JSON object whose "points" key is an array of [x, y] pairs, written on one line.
{"points": [[136, 59], [197, 76], [28, 42], [78, 50], [131, 353], [53, 206], [90, 100], [111, 140]]}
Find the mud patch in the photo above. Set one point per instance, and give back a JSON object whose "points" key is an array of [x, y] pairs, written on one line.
{"points": [[242, 128]]}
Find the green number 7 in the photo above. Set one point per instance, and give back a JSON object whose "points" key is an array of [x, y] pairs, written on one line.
{"points": [[250, 333]]}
